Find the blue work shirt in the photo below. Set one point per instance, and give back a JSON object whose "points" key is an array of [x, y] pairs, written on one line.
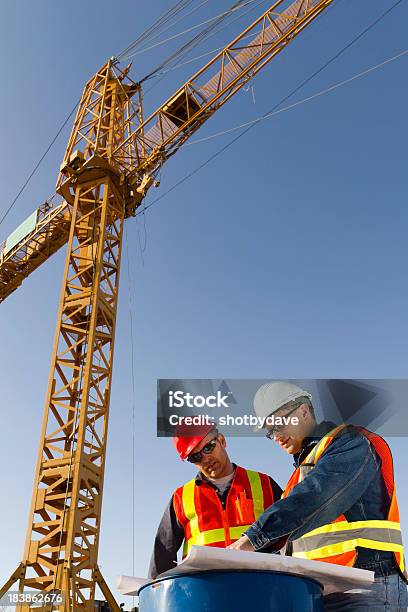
{"points": [[346, 480]]}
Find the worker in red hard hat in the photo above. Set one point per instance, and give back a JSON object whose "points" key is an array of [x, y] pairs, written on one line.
{"points": [[216, 506]]}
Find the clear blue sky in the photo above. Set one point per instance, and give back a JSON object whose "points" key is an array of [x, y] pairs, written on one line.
{"points": [[284, 258]]}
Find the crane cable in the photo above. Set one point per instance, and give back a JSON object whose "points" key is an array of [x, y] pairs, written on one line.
{"points": [[163, 73], [133, 411], [235, 7], [169, 25], [275, 107], [213, 23], [194, 59], [155, 27], [30, 176]]}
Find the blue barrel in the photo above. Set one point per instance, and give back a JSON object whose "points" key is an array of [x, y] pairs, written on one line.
{"points": [[232, 591]]}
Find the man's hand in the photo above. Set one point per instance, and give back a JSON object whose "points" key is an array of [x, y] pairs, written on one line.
{"points": [[243, 543]]}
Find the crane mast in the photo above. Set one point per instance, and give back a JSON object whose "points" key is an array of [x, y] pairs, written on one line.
{"points": [[111, 160], [64, 523]]}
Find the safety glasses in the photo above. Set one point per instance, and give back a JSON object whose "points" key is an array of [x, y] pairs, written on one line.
{"points": [[278, 428], [206, 450]]}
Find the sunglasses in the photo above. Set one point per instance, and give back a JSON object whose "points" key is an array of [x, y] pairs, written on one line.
{"points": [[206, 450], [278, 428]]}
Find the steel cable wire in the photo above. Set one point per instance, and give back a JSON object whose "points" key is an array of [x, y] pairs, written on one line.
{"points": [[30, 176], [198, 38], [236, 6], [163, 72], [169, 25], [155, 27]]}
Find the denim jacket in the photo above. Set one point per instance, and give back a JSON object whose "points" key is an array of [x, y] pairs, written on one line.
{"points": [[346, 480]]}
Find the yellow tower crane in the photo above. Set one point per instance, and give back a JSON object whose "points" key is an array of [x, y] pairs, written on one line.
{"points": [[113, 157]]}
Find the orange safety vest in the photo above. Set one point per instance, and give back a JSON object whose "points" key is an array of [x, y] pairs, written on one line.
{"points": [[336, 542], [199, 510]]}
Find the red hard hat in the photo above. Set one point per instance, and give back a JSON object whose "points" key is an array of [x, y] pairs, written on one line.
{"points": [[189, 436]]}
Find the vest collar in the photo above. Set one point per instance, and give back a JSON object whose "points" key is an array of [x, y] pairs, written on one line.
{"points": [[200, 478], [310, 442]]}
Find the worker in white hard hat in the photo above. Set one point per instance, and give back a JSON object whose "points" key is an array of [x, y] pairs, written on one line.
{"points": [[339, 505]]}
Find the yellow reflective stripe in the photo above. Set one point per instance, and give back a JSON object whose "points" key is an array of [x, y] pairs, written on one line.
{"points": [[189, 506], [312, 455], [208, 537], [345, 525], [342, 547], [257, 492], [236, 532], [318, 449], [214, 535]]}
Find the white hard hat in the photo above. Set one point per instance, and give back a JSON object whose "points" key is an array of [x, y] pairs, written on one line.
{"points": [[273, 395]]}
